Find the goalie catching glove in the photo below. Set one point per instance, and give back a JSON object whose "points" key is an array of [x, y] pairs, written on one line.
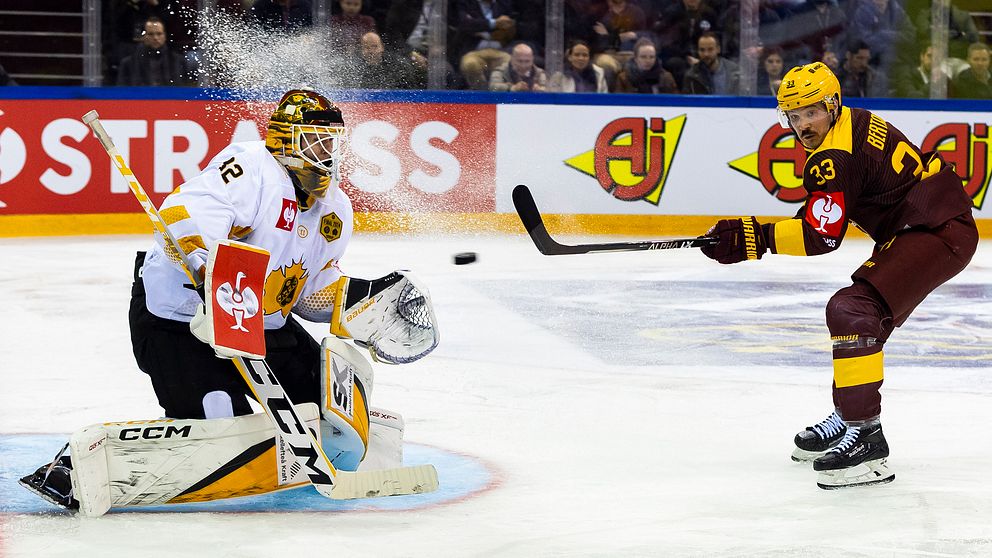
{"points": [[739, 240], [392, 316]]}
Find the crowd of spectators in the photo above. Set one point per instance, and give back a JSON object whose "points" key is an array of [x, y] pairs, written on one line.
{"points": [[877, 48]]}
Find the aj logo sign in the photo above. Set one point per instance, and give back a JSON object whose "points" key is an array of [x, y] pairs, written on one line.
{"points": [[632, 157], [779, 161]]}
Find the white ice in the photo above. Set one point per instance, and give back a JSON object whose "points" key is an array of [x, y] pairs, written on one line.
{"points": [[636, 404]]}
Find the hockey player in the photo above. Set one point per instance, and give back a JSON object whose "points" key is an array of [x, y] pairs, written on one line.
{"points": [[859, 169], [281, 195]]}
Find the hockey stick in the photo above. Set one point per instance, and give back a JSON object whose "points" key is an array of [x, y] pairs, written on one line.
{"points": [[339, 485], [523, 201]]}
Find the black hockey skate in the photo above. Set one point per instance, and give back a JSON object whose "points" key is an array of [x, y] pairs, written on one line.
{"points": [[52, 481], [857, 460], [817, 439]]}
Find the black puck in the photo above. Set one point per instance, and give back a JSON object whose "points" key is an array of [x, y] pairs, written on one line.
{"points": [[465, 258]]}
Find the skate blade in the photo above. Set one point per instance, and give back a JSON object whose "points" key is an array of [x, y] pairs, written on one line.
{"points": [[865, 474], [26, 482], [803, 456]]}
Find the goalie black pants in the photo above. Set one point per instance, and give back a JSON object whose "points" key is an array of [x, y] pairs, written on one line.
{"points": [[183, 369]]}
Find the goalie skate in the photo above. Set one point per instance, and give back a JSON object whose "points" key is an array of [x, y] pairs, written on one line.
{"points": [[859, 459], [52, 481]]}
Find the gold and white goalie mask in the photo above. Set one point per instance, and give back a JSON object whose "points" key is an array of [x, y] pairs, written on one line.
{"points": [[306, 134]]}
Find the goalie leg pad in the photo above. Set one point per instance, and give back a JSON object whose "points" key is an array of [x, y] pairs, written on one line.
{"points": [[385, 441], [346, 389], [171, 461]]}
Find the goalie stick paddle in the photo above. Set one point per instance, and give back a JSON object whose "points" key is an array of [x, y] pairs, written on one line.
{"points": [[338, 485], [523, 201]]}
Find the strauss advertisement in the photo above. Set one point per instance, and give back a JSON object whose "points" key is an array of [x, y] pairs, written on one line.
{"points": [[438, 158]]}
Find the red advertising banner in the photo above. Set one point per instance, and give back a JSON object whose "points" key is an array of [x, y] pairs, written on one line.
{"points": [[402, 156]]}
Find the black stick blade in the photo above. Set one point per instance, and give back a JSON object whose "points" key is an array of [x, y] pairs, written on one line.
{"points": [[530, 216]]}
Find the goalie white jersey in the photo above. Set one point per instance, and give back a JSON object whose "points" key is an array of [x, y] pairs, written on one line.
{"points": [[245, 194]]}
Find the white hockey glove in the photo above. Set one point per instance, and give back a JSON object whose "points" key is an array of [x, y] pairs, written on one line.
{"points": [[392, 316], [203, 330]]}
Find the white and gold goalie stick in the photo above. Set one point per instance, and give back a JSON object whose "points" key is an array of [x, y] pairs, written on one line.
{"points": [[338, 485]]}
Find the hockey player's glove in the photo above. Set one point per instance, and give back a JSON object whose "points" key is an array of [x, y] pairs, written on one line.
{"points": [[203, 329], [740, 239]]}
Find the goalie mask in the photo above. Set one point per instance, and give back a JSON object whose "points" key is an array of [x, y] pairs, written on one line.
{"points": [[306, 134]]}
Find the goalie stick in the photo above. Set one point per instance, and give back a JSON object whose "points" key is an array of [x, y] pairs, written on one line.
{"points": [[338, 485], [523, 201]]}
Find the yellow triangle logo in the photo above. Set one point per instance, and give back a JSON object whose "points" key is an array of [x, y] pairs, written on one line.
{"points": [[784, 172], [621, 170]]}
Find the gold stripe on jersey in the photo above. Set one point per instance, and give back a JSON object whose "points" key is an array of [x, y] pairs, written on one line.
{"points": [[174, 214], [328, 265], [840, 135], [858, 371], [789, 238], [237, 233], [190, 243]]}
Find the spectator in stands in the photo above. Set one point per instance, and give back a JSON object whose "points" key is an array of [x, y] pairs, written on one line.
{"points": [[5, 78], [712, 74], [287, 15], [520, 73], [831, 60], [857, 77], [377, 68], [483, 30], [152, 63], [974, 82], [813, 31], [915, 82], [618, 29], [884, 26], [348, 27], [678, 31], [961, 28], [580, 18], [580, 75], [400, 20], [124, 27], [644, 73], [771, 67], [769, 29]]}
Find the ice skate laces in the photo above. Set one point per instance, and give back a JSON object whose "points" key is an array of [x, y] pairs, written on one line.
{"points": [[830, 426], [848, 440]]}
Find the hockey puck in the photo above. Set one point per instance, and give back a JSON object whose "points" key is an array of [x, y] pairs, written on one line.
{"points": [[465, 258]]}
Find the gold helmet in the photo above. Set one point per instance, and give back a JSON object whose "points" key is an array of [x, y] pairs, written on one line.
{"points": [[306, 133], [807, 85]]}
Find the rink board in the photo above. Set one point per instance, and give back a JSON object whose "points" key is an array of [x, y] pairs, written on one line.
{"points": [[447, 161], [460, 477]]}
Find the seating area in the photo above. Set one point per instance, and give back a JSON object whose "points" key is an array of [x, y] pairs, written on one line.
{"points": [[878, 48]]}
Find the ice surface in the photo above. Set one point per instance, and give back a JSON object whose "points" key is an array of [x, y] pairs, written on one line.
{"points": [[638, 404]]}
